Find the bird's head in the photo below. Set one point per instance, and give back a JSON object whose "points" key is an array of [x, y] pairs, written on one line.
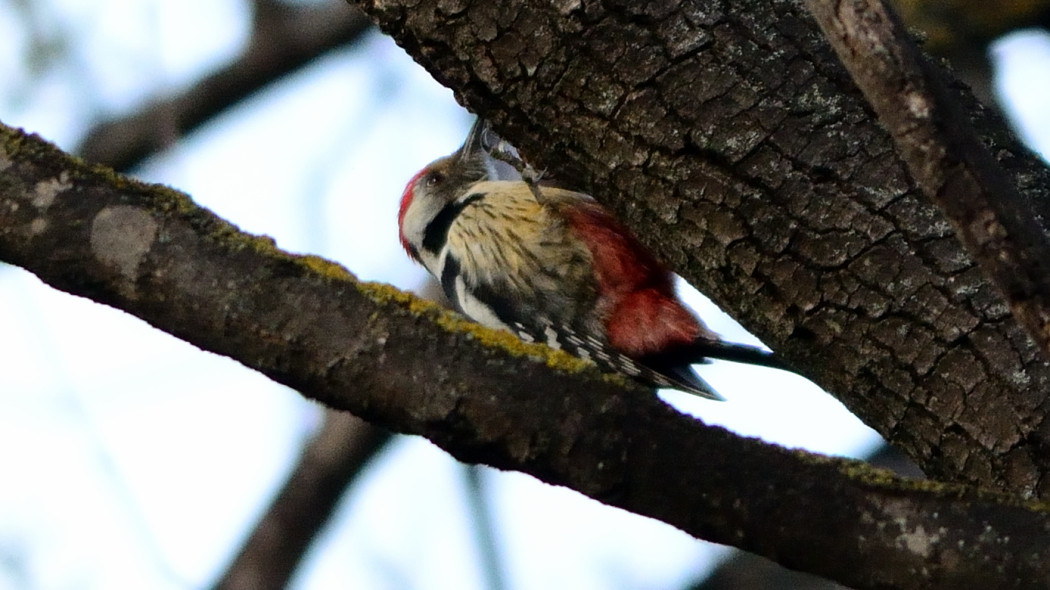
{"points": [[442, 182]]}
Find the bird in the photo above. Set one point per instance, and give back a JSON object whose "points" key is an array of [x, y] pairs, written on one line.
{"points": [[554, 266]]}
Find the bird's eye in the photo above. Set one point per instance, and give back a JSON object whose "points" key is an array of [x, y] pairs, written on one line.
{"points": [[434, 178]]}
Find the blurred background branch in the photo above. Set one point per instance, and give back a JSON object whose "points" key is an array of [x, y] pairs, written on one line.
{"points": [[330, 462], [284, 38], [961, 32]]}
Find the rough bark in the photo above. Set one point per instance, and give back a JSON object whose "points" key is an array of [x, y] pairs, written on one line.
{"points": [[744, 571], [486, 397], [942, 152], [732, 140]]}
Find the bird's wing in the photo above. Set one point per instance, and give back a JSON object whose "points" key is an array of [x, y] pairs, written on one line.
{"points": [[539, 284]]}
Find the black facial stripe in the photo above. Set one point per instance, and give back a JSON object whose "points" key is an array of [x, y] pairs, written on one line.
{"points": [[448, 278], [436, 233]]}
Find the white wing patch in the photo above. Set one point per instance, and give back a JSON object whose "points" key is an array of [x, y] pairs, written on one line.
{"points": [[552, 337], [475, 309]]}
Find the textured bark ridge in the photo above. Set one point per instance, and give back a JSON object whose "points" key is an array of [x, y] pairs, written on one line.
{"points": [[734, 125]]}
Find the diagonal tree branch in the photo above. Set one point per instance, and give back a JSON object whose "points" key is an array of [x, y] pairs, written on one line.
{"points": [[413, 368], [329, 463], [944, 155], [284, 39], [745, 571], [728, 136]]}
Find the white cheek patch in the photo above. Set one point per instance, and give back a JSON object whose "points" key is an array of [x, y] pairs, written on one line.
{"points": [[421, 212], [474, 309], [412, 226]]}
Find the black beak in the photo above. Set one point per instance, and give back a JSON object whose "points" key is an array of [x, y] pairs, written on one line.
{"points": [[474, 146], [479, 147]]}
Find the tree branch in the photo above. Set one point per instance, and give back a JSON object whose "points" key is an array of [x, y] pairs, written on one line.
{"points": [[411, 367], [329, 463], [944, 155], [728, 136], [742, 570], [284, 39]]}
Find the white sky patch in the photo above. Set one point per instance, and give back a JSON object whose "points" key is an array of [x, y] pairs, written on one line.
{"points": [[325, 172], [174, 448], [777, 406], [1021, 63]]}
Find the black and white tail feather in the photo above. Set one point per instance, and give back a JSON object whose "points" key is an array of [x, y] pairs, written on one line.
{"points": [[670, 369]]}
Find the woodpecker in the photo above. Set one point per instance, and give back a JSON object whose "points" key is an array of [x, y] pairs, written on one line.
{"points": [[553, 266]]}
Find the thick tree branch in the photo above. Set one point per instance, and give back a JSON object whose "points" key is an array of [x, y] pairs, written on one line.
{"points": [[728, 136], [329, 463], [485, 396], [284, 39], [744, 571], [942, 152]]}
